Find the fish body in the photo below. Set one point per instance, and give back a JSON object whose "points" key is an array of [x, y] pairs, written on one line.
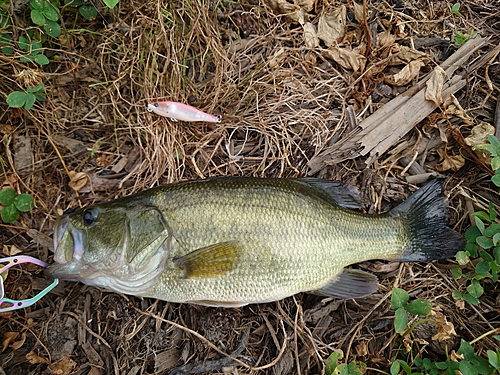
{"points": [[233, 241], [179, 111]]}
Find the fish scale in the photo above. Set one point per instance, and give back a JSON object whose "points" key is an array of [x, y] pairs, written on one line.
{"points": [[234, 241]]}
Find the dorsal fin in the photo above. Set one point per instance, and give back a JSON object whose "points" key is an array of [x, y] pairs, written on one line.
{"points": [[336, 192]]}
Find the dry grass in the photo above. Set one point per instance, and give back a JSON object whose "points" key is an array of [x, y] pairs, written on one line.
{"points": [[282, 103]]}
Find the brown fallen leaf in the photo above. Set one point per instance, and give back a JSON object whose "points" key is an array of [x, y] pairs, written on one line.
{"points": [[310, 38], [453, 107], [446, 330], [385, 39], [34, 358], [347, 58], [292, 11], [479, 136], [434, 90], [78, 180], [8, 338], [63, 367], [331, 25], [450, 162], [359, 13], [11, 251], [17, 344], [405, 75]]}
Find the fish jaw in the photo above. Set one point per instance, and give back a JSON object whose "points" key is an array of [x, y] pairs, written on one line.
{"points": [[116, 272]]}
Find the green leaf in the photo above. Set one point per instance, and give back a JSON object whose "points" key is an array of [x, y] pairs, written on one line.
{"points": [[492, 229], [482, 215], [441, 365], [395, 367], [479, 223], [466, 349], [486, 256], [30, 101], [471, 250], [37, 4], [491, 209], [332, 362], [16, 99], [487, 147], [494, 359], [419, 307], [399, 298], [496, 179], [483, 268], [456, 273], [111, 3], [24, 43], [52, 28], [37, 17], [467, 368], [9, 213], [7, 196], [88, 11], [472, 300], [23, 202], [472, 233], [455, 8], [401, 320], [35, 89], [475, 289], [51, 14], [494, 141], [457, 295], [462, 258], [42, 60], [496, 238], [495, 163], [484, 242], [496, 254]]}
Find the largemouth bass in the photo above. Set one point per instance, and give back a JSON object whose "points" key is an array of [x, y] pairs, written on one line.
{"points": [[233, 241]]}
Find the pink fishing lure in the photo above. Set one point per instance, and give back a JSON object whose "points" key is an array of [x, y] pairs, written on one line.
{"points": [[179, 111]]}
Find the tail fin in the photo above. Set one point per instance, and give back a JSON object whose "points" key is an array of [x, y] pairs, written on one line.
{"points": [[425, 214]]}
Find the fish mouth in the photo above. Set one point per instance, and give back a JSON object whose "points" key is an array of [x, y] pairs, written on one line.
{"points": [[69, 245]]}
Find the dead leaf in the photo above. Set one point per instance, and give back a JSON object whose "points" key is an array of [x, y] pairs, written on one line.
{"points": [[34, 358], [292, 11], [359, 13], [331, 25], [310, 38], [405, 75], [446, 330], [347, 58], [385, 39], [400, 55], [362, 349], [453, 107], [8, 337], [479, 136], [63, 367], [455, 357], [453, 162], [13, 250], [17, 344], [78, 180], [434, 90]]}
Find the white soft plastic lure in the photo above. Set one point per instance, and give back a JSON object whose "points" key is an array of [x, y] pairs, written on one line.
{"points": [[179, 111]]}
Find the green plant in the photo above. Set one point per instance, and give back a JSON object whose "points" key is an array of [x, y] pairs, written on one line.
{"points": [[333, 367], [45, 14], [483, 240], [465, 361], [461, 38], [455, 9], [13, 204], [26, 99], [400, 303]]}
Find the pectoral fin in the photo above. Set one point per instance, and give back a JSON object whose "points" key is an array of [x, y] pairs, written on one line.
{"points": [[350, 283], [211, 261]]}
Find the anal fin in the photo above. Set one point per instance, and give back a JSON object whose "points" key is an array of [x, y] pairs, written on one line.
{"points": [[349, 284], [211, 261]]}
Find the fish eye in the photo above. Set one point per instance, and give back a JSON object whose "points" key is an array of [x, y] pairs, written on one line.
{"points": [[156, 104], [90, 217]]}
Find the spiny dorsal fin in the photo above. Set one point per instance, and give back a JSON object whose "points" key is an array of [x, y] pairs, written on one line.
{"points": [[211, 261], [343, 195], [350, 283]]}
